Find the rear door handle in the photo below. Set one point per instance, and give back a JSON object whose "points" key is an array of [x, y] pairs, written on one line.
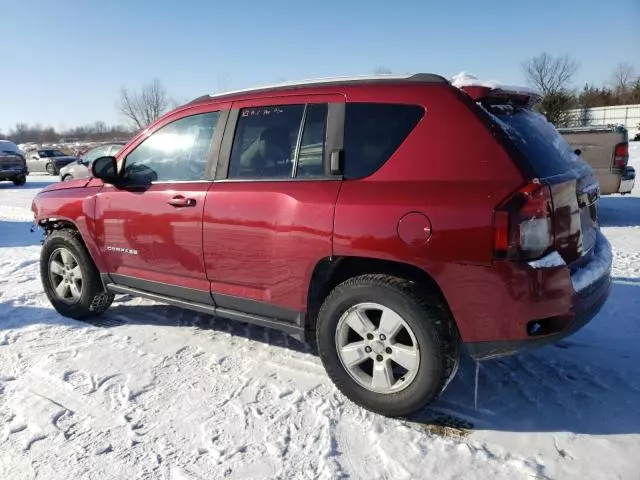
{"points": [[179, 201]]}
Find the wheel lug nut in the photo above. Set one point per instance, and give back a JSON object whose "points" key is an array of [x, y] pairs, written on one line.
{"points": [[388, 350], [383, 336], [379, 358], [369, 336], [367, 349]]}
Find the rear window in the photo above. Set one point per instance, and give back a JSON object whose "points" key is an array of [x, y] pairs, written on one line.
{"points": [[372, 132], [537, 139]]}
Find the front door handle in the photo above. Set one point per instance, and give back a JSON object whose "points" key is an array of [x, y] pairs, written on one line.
{"points": [[179, 201]]}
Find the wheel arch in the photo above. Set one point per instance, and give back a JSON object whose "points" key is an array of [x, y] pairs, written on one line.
{"points": [[330, 272], [50, 224]]}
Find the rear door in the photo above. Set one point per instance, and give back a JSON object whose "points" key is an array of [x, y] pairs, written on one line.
{"points": [[268, 218], [150, 230]]}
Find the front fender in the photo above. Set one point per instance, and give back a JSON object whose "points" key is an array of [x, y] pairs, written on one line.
{"points": [[75, 206]]}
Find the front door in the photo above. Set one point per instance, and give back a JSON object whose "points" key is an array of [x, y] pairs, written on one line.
{"points": [[35, 162], [150, 230], [268, 219]]}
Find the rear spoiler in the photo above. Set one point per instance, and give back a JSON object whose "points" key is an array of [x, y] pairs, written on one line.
{"points": [[518, 95]]}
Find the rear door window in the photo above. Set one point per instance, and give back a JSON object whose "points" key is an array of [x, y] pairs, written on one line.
{"points": [[373, 132], [265, 140], [538, 140], [279, 141], [311, 154]]}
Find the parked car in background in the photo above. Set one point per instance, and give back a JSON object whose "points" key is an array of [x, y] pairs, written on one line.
{"points": [[48, 160], [13, 166], [606, 149], [347, 211], [80, 168]]}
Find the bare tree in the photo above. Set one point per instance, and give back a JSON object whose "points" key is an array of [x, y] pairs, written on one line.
{"points": [[550, 74], [144, 106], [100, 127], [623, 75]]}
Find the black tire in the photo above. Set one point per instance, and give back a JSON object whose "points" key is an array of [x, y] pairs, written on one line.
{"points": [[431, 324], [51, 169], [19, 180], [94, 299], [67, 178]]}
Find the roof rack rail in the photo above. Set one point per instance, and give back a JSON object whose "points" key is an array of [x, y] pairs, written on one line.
{"points": [[362, 79]]}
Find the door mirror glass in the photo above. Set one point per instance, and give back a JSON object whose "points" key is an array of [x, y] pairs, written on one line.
{"points": [[105, 168]]}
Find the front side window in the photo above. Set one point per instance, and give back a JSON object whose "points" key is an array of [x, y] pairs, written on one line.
{"points": [[373, 132], [178, 151], [50, 153]]}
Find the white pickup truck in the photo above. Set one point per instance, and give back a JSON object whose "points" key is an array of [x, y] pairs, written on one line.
{"points": [[606, 149]]}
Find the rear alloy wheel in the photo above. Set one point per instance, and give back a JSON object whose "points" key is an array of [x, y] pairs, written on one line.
{"points": [[67, 178], [383, 358], [19, 180], [385, 344], [51, 169]]}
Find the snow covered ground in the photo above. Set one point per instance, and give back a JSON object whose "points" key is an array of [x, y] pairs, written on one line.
{"points": [[153, 392]]}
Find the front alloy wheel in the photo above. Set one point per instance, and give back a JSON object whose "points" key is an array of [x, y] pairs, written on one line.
{"points": [[65, 276]]}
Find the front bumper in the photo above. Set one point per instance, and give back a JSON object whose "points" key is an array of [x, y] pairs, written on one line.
{"points": [[591, 285], [628, 180]]}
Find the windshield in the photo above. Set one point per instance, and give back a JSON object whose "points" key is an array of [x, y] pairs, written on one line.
{"points": [[537, 139], [51, 153]]}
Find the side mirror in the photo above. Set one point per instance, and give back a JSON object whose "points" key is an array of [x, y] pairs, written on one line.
{"points": [[105, 168], [577, 151]]}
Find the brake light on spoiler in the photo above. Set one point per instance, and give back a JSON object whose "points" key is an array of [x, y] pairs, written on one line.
{"points": [[482, 94]]}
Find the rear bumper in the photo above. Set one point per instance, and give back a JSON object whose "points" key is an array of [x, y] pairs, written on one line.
{"points": [[628, 180], [591, 287], [12, 172]]}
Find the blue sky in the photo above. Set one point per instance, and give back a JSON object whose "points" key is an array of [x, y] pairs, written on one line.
{"points": [[67, 60]]}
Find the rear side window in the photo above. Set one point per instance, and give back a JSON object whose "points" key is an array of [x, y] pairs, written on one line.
{"points": [[372, 132], [544, 148]]}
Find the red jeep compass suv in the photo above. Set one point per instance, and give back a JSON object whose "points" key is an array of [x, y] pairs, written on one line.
{"points": [[400, 219]]}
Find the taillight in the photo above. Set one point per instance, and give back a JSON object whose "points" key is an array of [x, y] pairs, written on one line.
{"points": [[621, 155], [523, 224]]}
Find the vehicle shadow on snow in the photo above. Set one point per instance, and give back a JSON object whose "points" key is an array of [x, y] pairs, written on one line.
{"points": [[18, 234], [122, 313], [586, 384], [619, 211]]}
